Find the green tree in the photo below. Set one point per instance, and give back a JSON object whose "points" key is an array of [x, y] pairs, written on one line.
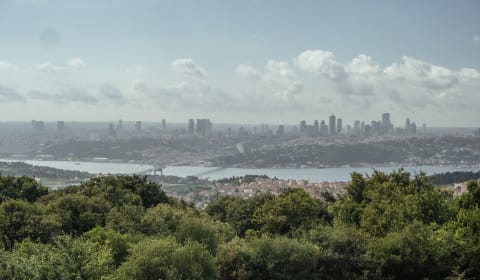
{"points": [[204, 231], [121, 190], [20, 188], [237, 212], [167, 259], [78, 213], [293, 209], [116, 242], [65, 259], [20, 219]]}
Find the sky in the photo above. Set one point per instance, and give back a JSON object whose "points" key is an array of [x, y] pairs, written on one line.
{"points": [[249, 61]]}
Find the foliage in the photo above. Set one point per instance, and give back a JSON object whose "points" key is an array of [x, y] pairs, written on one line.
{"points": [[167, 259], [453, 177], [25, 188], [66, 258], [121, 190], [386, 226], [292, 210]]}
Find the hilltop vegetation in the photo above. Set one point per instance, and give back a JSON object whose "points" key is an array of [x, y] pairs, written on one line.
{"points": [[387, 226], [453, 177]]}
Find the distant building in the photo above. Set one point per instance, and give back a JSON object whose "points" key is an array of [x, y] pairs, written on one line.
{"points": [[138, 125], [387, 126], [376, 127], [281, 129], [316, 127], [241, 131], [204, 126], [339, 125], [323, 128], [164, 124], [356, 126], [413, 128], [191, 126], [303, 126], [349, 129], [111, 130], [332, 125], [60, 126], [120, 125], [38, 126]]}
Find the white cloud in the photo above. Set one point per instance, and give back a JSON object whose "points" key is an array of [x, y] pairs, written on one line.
{"points": [[422, 74], [247, 72], [320, 62], [76, 63], [362, 64], [282, 80], [188, 67], [72, 65], [48, 67]]}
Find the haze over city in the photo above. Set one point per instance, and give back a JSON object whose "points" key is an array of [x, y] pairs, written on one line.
{"points": [[240, 62]]}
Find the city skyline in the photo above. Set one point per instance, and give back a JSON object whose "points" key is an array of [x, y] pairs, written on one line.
{"points": [[270, 61]]}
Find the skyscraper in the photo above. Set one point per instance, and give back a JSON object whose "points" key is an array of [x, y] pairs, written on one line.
{"points": [[164, 124], [323, 128], [339, 125], [204, 126], [120, 125], [303, 126], [315, 127], [280, 130], [111, 130], [138, 125], [332, 125], [191, 126], [386, 125]]}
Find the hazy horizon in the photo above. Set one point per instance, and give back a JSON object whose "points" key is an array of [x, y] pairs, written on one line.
{"points": [[240, 62]]}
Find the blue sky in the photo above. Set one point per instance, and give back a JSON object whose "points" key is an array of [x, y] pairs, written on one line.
{"points": [[240, 61]]}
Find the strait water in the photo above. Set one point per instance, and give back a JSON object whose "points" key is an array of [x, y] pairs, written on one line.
{"points": [[214, 173]]}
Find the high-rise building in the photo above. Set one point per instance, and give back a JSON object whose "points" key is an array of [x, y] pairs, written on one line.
{"points": [[280, 130], [339, 125], [413, 128], [316, 128], [204, 126], [60, 126], [356, 127], [138, 125], [323, 128], [303, 126], [332, 125], [111, 130], [386, 124], [120, 125], [191, 126], [164, 124], [407, 125], [38, 125]]}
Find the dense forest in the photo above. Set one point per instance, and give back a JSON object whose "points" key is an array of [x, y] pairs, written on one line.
{"points": [[387, 226], [453, 177]]}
